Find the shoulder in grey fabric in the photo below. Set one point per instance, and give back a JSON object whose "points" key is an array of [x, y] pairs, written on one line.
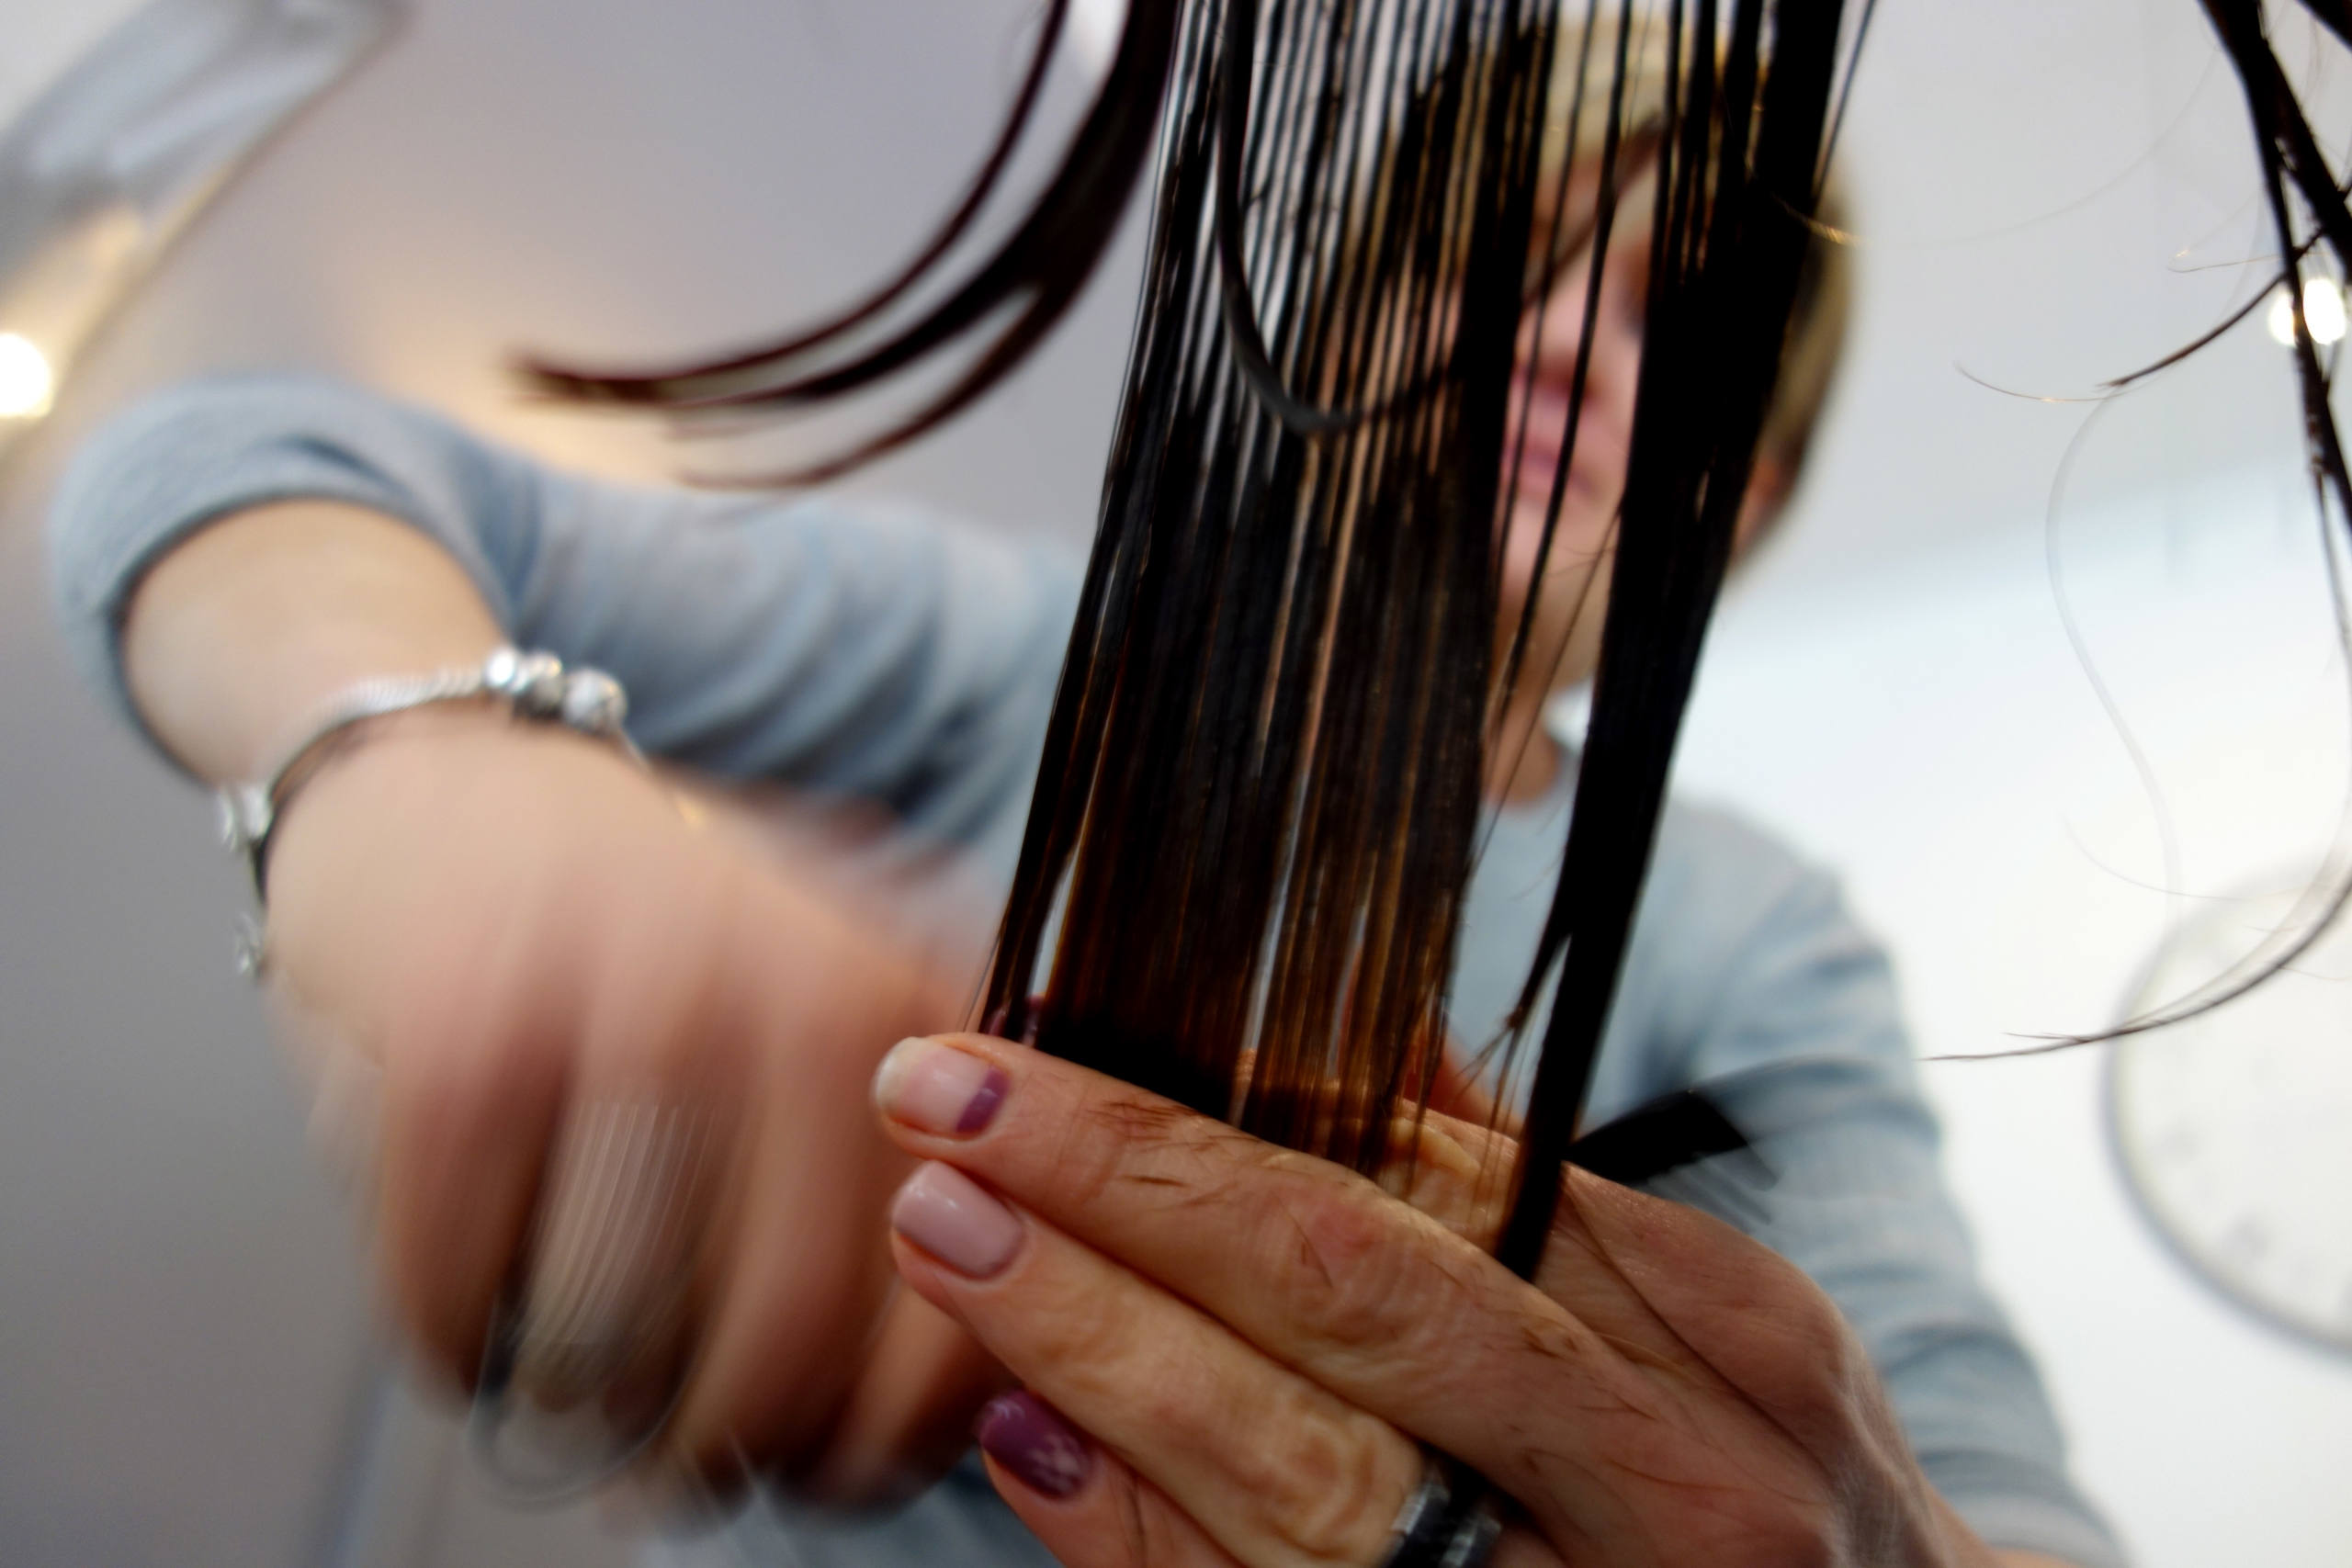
{"points": [[901, 659]]}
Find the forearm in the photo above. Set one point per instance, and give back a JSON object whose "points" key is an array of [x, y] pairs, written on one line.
{"points": [[253, 621]]}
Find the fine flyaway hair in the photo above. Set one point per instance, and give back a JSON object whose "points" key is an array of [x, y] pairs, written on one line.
{"points": [[1259, 800], [2303, 198]]}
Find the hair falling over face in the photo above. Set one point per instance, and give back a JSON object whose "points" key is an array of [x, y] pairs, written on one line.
{"points": [[1259, 800]]}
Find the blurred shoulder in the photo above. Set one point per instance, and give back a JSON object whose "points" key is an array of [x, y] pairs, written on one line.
{"points": [[1745, 952], [1726, 872]]}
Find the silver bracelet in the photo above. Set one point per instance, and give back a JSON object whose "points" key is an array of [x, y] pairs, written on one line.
{"points": [[533, 686]]}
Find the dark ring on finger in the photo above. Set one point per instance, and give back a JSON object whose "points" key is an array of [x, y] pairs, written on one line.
{"points": [[1448, 1521]]}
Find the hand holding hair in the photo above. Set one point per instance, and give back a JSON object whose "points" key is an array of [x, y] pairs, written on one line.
{"points": [[1233, 1354]]}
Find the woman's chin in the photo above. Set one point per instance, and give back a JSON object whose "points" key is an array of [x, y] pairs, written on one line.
{"points": [[1532, 491], [1579, 535]]}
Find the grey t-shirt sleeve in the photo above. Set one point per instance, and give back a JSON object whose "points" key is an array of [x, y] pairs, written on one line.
{"points": [[860, 653], [1773, 990]]}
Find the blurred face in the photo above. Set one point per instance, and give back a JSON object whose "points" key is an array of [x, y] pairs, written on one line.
{"points": [[1570, 596], [1572, 592]]}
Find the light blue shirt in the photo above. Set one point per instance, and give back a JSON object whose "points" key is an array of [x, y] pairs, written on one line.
{"points": [[901, 659]]}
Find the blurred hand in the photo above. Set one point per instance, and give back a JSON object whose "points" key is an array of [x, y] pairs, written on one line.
{"points": [[620, 1068]]}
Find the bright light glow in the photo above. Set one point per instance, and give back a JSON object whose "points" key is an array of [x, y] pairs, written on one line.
{"points": [[26, 379], [2323, 313], [1094, 27]]}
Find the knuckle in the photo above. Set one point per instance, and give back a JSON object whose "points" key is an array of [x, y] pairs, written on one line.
{"points": [[1348, 1280], [1332, 1494], [1179, 1407], [1082, 1331], [1448, 1169]]}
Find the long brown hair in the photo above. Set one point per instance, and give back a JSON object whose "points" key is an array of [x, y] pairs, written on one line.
{"points": [[1258, 806]]}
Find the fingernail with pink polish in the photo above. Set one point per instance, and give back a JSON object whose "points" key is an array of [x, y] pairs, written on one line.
{"points": [[955, 1219], [1024, 1435], [937, 1088]]}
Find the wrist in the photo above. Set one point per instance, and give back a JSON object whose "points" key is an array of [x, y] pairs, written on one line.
{"points": [[407, 743], [522, 686], [452, 810], [428, 764]]}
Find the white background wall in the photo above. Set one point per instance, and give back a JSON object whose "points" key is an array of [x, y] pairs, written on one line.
{"points": [[43, 37], [1931, 732], [2049, 195]]}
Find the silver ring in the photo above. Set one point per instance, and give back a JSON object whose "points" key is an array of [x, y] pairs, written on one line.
{"points": [[1449, 1521]]}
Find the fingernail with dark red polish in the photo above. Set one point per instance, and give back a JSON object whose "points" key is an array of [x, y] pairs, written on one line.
{"points": [[1024, 1435], [938, 1088]]}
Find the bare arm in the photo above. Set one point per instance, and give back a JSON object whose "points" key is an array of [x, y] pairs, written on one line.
{"points": [[257, 619]]}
